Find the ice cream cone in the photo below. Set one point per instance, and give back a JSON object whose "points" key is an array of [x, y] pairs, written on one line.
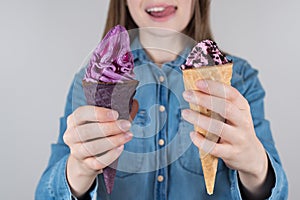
{"points": [[116, 96], [221, 73]]}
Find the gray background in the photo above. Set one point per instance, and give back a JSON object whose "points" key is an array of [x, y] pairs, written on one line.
{"points": [[43, 43]]}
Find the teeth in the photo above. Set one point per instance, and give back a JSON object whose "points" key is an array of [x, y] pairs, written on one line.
{"points": [[155, 9]]}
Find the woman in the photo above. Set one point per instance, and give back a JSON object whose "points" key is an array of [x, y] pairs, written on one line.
{"points": [[169, 167]]}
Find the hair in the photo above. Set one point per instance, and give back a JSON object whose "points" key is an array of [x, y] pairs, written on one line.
{"points": [[198, 28]]}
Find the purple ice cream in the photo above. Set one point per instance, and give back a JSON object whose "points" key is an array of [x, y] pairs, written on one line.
{"points": [[205, 53], [112, 60]]}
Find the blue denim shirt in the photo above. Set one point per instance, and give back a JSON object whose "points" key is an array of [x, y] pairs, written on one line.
{"points": [[161, 146]]}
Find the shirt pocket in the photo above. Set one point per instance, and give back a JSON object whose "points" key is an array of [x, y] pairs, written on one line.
{"points": [[131, 159], [189, 160]]}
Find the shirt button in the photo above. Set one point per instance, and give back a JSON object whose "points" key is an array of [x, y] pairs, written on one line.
{"points": [[160, 178], [161, 79], [161, 142], [162, 108]]}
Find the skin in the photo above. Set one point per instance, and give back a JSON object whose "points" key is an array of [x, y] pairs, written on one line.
{"points": [[163, 41], [178, 22], [96, 138]]}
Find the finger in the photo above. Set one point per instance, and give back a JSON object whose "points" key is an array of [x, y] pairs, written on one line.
{"points": [[215, 149], [96, 147], [92, 131], [214, 126], [218, 105], [224, 91], [85, 114], [201, 142], [99, 162]]}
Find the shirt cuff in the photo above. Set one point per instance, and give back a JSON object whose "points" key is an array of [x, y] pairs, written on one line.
{"points": [[91, 194], [280, 189]]}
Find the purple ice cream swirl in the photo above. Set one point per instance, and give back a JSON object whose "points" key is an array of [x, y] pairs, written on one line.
{"points": [[205, 53], [112, 60]]}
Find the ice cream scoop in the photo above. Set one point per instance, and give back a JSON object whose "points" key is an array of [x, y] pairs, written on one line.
{"points": [[205, 53], [112, 60]]}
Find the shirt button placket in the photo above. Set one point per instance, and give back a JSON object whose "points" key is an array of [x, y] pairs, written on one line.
{"points": [[162, 173], [161, 142]]}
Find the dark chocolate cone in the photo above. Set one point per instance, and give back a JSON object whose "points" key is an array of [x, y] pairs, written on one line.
{"points": [[116, 96]]}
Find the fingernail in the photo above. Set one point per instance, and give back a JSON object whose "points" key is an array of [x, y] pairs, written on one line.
{"points": [[193, 135], [124, 125], [185, 113], [128, 135], [202, 84], [187, 95], [112, 114]]}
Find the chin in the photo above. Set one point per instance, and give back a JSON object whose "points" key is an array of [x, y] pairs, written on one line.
{"points": [[160, 31]]}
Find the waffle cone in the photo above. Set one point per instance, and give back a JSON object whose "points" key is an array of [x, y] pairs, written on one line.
{"points": [[221, 73], [116, 96]]}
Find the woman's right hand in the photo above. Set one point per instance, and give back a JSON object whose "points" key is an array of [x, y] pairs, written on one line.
{"points": [[95, 138]]}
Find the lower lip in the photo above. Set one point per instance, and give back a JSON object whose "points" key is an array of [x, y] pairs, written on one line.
{"points": [[162, 18]]}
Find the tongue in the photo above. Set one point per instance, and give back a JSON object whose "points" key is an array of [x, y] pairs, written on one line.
{"points": [[168, 11]]}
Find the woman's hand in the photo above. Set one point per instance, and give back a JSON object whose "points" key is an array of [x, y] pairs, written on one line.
{"points": [[239, 147], [95, 138]]}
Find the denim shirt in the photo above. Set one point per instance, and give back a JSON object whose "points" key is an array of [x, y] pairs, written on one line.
{"points": [[160, 162]]}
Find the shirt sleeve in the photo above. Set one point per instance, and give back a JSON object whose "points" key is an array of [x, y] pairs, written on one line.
{"points": [[250, 87], [53, 183]]}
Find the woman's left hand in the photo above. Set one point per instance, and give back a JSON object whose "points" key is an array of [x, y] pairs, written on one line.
{"points": [[238, 147]]}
